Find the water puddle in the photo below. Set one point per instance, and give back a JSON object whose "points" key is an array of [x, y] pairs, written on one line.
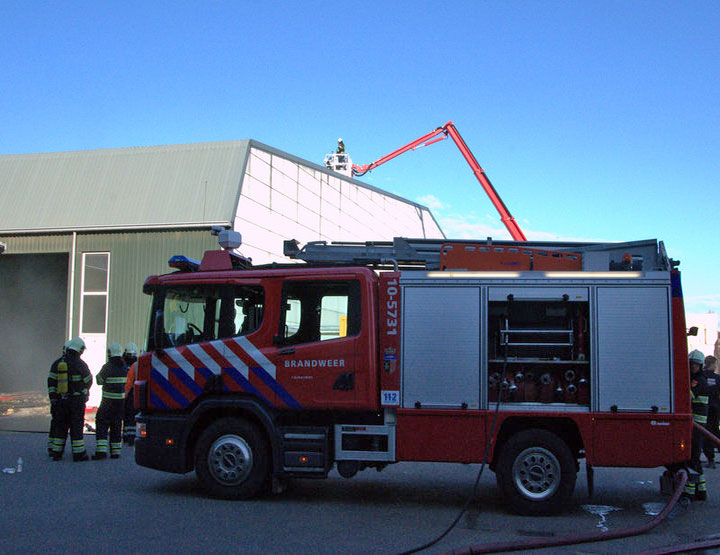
{"points": [[653, 509], [602, 511]]}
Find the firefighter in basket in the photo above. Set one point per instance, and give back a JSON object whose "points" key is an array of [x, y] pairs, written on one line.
{"points": [[69, 382], [112, 378], [695, 487]]}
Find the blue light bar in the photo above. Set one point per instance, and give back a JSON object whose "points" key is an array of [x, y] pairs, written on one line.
{"points": [[183, 263]]}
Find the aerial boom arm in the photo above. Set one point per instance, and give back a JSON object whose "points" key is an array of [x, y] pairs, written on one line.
{"points": [[428, 139]]}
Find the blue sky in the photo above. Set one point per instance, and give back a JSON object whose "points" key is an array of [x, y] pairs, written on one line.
{"points": [[594, 120]]}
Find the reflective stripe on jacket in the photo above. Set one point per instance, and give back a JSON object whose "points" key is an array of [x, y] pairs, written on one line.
{"points": [[112, 377]]}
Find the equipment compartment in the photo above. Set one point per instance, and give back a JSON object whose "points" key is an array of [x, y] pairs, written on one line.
{"points": [[539, 349]]}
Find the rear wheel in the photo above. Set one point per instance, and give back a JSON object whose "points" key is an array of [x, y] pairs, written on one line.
{"points": [[536, 472], [232, 460]]}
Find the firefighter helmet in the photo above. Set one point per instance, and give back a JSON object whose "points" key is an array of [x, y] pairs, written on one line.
{"points": [[115, 349], [131, 349], [697, 356], [76, 344]]}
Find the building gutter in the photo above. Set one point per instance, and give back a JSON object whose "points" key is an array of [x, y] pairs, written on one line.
{"points": [[103, 229]]}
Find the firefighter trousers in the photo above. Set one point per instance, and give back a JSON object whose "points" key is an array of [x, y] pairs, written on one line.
{"points": [[129, 419], [696, 487], [68, 415], [109, 418], [712, 427]]}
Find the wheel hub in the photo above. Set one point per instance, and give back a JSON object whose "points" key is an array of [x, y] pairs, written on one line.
{"points": [[536, 473], [230, 460]]}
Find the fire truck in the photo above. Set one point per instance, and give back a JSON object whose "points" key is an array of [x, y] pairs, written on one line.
{"points": [[527, 356]]}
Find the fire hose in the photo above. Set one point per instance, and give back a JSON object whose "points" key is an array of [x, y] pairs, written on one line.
{"points": [[540, 543]]}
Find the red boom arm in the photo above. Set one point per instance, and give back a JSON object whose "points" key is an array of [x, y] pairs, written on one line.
{"points": [[428, 139]]}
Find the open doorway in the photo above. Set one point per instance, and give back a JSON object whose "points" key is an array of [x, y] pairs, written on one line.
{"points": [[33, 314]]}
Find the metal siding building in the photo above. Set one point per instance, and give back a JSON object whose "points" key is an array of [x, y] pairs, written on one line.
{"points": [[84, 229]]}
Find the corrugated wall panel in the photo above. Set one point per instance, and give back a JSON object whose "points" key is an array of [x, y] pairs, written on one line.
{"points": [[134, 256], [34, 244]]}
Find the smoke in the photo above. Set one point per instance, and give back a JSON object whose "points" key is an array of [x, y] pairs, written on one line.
{"points": [[33, 311]]}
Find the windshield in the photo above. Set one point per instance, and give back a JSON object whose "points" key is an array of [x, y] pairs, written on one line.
{"points": [[204, 313]]}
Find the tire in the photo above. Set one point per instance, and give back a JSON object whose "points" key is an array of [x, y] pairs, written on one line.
{"points": [[232, 460], [536, 472]]}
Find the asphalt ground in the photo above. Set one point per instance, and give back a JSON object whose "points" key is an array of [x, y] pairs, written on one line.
{"points": [[114, 506]]}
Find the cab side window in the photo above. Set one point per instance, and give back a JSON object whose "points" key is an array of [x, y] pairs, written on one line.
{"points": [[242, 310], [319, 311]]}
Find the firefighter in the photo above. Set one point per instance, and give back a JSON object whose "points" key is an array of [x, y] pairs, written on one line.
{"points": [[713, 381], [710, 371], [341, 147], [695, 487], [69, 383], [130, 358], [52, 393], [112, 378]]}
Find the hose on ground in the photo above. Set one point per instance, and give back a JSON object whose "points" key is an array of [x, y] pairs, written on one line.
{"points": [[605, 536], [540, 543]]}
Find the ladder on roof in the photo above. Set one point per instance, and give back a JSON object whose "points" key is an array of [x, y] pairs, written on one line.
{"points": [[399, 251], [443, 254], [438, 254]]}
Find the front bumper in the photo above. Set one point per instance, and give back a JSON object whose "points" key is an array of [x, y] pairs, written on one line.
{"points": [[160, 443]]}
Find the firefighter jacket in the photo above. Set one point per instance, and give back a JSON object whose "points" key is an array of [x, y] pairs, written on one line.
{"points": [[700, 394], [69, 377], [713, 382], [112, 378], [130, 379]]}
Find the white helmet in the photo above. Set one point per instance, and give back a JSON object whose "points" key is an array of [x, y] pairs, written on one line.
{"points": [[339, 140], [76, 344], [131, 349], [697, 356], [115, 349]]}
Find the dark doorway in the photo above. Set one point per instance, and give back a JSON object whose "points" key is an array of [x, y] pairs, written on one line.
{"points": [[33, 312]]}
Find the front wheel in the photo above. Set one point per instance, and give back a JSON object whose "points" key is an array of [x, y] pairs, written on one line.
{"points": [[232, 460], [536, 472]]}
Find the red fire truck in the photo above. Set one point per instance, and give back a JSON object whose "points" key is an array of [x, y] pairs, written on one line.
{"points": [[530, 356]]}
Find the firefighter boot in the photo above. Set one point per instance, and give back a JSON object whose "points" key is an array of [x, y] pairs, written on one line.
{"points": [[99, 456], [79, 457]]}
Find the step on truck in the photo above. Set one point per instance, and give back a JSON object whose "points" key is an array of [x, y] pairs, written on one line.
{"points": [[527, 356]]}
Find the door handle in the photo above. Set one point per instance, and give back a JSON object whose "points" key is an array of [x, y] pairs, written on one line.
{"points": [[290, 351]]}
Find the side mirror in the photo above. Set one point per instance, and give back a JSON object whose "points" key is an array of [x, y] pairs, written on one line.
{"points": [[693, 331]]}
